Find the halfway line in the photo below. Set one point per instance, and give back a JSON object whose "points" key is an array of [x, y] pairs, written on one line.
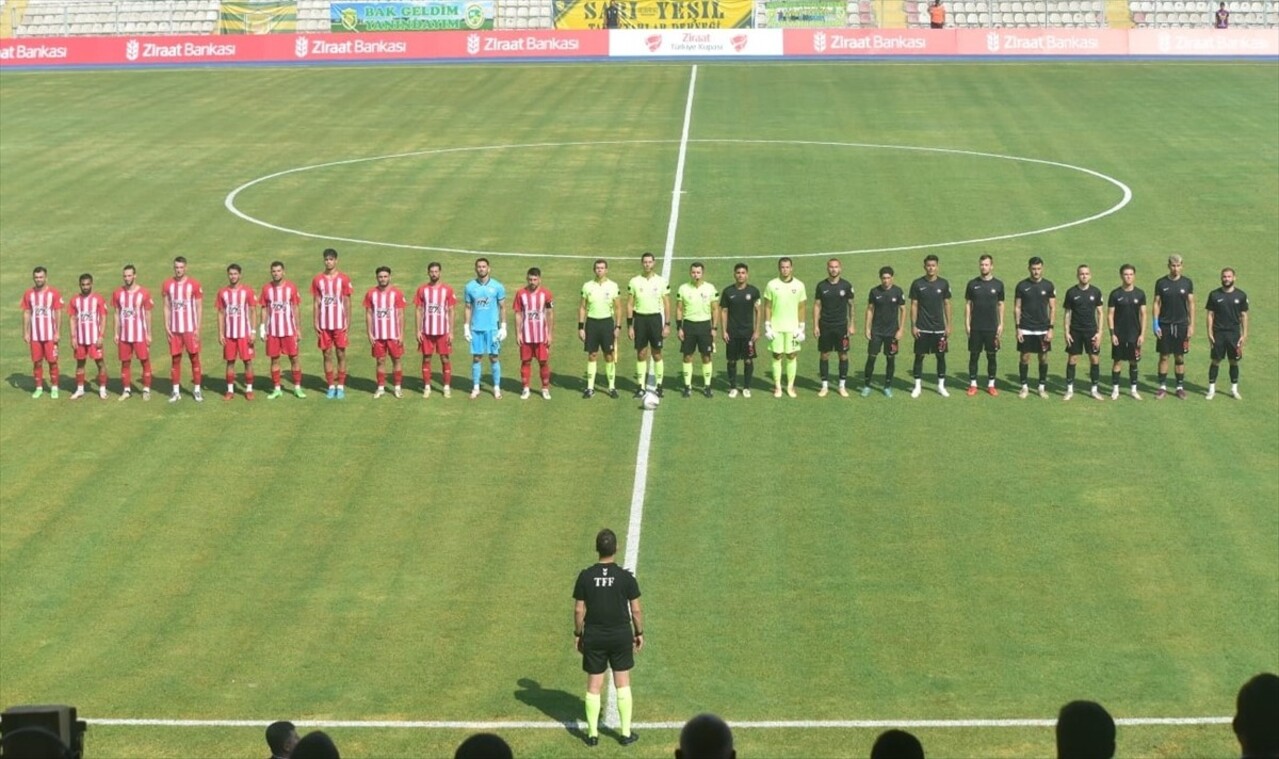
{"points": [[631, 561]]}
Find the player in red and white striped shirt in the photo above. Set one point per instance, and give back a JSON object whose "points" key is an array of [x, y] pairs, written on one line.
{"points": [[280, 302], [88, 314], [435, 304], [183, 312], [133, 306], [534, 323], [41, 328], [384, 317], [236, 332], [331, 307]]}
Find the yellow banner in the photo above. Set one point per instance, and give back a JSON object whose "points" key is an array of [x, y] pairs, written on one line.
{"points": [[656, 14]]}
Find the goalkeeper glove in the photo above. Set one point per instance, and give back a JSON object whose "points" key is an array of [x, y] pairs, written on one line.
{"points": [[768, 330], [501, 333], [262, 330], [799, 333], [466, 332]]}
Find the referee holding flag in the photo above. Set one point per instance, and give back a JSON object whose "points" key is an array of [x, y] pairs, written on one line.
{"points": [[606, 605]]}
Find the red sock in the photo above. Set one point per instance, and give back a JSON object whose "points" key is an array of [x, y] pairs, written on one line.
{"points": [[398, 376], [328, 377], [546, 374], [196, 370], [275, 377], [230, 380], [342, 379], [448, 374], [53, 373], [79, 376], [146, 375], [426, 374], [248, 376], [297, 378], [126, 375], [38, 371], [381, 378], [526, 369], [102, 378], [175, 373]]}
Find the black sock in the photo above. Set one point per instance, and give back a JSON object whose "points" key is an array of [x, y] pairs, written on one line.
{"points": [[870, 368], [1181, 379], [1213, 371], [1132, 375], [972, 366], [1070, 375], [890, 370], [1023, 370], [732, 374], [941, 366], [1234, 374], [748, 372], [823, 366], [1094, 374], [1163, 379], [1114, 378], [843, 369], [1043, 374], [918, 370], [991, 366]]}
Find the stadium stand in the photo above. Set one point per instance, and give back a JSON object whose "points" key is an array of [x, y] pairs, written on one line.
{"points": [[1093, 13], [55, 18]]}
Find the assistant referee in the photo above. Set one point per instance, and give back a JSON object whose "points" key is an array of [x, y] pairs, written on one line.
{"points": [[606, 605]]}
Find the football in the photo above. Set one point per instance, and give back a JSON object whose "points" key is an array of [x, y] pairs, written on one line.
{"points": [[651, 400]]}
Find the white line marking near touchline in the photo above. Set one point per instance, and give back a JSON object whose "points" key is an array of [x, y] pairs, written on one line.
{"points": [[845, 724], [631, 561]]}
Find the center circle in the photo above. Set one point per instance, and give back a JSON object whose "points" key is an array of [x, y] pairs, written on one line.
{"points": [[822, 203]]}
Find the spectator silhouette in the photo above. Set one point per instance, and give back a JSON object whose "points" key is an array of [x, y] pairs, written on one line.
{"points": [[281, 737], [705, 737], [483, 746], [897, 744], [1085, 730], [315, 745], [1256, 720]]}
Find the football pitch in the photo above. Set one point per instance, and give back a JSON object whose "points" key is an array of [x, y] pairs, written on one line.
{"points": [[400, 571]]}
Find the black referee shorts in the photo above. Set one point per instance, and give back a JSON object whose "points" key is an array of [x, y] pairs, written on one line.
{"points": [[648, 331], [697, 339], [600, 335], [607, 649]]}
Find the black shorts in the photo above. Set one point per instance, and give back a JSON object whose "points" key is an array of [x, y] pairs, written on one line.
{"points": [[697, 339], [1225, 344], [1034, 344], [740, 349], [600, 335], [607, 649], [887, 344], [1082, 343], [833, 339], [1173, 342], [648, 331], [930, 342], [1125, 352], [983, 340]]}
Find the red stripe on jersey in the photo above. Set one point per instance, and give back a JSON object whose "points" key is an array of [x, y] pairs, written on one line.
{"points": [[181, 299], [434, 301], [281, 303], [88, 318], [44, 305], [328, 293], [384, 304], [235, 303], [132, 314], [534, 306]]}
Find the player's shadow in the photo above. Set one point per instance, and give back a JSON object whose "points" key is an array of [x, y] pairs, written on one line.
{"points": [[561, 706], [21, 382]]}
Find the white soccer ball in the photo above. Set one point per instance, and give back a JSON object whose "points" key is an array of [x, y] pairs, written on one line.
{"points": [[651, 400]]}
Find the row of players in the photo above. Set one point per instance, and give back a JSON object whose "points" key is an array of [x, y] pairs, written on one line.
{"points": [[741, 313]]}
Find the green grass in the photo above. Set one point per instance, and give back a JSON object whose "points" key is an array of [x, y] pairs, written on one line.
{"points": [[803, 560]]}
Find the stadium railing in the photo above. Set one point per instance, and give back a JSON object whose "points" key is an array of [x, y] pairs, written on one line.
{"points": [[52, 18]]}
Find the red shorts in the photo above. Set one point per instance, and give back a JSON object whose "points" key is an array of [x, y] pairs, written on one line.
{"points": [[392, 348], [281, 346], [88, 351], [331, 338], [44, 350], [188, 341], [432, 344], [129, 350], [237, 348], [539, 351]]}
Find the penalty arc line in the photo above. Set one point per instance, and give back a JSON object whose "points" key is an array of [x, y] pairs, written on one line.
{"points": [[837, 724], [633, 526]]}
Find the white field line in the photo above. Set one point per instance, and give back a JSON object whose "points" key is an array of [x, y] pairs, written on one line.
{"points": [[838, 724], [631, 560]]}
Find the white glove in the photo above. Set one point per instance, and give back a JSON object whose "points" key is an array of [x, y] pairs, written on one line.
{"points": [[501, 333], [799, 333], [262, 330], [466, 332], [768, 330]]}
